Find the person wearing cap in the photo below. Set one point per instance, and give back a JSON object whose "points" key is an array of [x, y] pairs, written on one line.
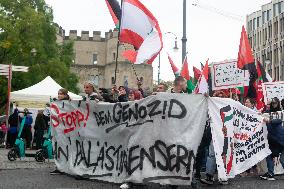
{"points": [[91, 93]]}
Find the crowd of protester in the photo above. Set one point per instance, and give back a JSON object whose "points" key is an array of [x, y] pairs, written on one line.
{"points": [[205, 158]]}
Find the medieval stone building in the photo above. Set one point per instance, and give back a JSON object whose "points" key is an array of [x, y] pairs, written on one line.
{"points": [[95, 60]]}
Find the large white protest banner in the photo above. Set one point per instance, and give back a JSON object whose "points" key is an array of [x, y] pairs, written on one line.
{"points": [[239, 137], [151, 140], [226, 75], [273, 89]]}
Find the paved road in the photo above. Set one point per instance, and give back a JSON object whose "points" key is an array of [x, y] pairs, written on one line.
{"points": [[29, 174]]}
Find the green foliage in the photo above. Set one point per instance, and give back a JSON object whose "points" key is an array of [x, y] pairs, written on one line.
{"points": [[28, 38]]}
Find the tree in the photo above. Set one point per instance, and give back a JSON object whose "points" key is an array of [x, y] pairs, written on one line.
{"points": [[28, 38]]}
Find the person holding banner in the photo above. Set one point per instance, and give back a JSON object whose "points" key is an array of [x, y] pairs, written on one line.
{"points": [[62, 95], [122, 94], [162, 87], [179, 85], [251, 103], [211, 159], [91, 92]]}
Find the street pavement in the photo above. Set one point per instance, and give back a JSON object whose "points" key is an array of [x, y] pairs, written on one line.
{"points": [[28, 174]]}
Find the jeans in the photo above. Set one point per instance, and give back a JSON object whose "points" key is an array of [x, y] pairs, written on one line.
{"points": [[201, 158], [211, 161], [270, 163]]}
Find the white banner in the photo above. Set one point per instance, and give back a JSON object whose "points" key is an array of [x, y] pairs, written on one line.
{"points": [[239, 137], [226, 75], [273, 89], [151, 140]]}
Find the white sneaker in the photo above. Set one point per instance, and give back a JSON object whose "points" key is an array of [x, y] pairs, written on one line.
{"points": [[125, 186]]}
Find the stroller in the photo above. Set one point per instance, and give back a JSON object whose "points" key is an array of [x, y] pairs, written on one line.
{"points": [[46, 151], [19, 150]]}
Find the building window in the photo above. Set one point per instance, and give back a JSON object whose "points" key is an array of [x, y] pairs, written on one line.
{"points": [[264, 17], [275, 11], [95, 58], [112, 81], [258, 21], [125, 81], [114, 56], [268, 15], [95, 79]]}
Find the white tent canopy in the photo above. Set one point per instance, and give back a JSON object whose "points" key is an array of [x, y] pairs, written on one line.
{"points": [[41, 91]]}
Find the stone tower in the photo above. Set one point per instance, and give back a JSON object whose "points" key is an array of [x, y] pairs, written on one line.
{"points": [[95, 60]]}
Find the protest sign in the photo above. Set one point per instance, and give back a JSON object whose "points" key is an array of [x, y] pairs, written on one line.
{"points": [[151, 140], [226, 75], [273, 89], [239, 137]]}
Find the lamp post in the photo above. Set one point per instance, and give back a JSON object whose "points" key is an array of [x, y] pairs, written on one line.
{"points": [[175, 48], [184, 39]]}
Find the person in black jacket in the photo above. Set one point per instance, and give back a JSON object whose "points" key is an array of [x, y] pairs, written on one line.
{"points": [[123, 97], [275, 140], [276, 144], [39, 127], [13, 128]]}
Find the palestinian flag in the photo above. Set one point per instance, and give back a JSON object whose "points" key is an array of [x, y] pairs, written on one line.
{"points": [[262, 78], [174, 67], [262, 74], [202, 86], [202, 66], [197, 74], [228, 151], [260, 105], [115, 11], [185, 74], [246, 62]]}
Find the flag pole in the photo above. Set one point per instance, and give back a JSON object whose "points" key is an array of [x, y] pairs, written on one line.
{"points": [[117, 45]]}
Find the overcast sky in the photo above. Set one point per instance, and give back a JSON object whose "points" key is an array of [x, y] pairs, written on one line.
{"points": [[211, 31]]}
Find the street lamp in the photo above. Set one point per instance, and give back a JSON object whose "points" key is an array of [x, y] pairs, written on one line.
{"points": [[175, 48]]}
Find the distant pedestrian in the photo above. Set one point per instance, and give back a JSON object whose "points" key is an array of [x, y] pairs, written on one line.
{"points": [[13, 128], [39, 127]]}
